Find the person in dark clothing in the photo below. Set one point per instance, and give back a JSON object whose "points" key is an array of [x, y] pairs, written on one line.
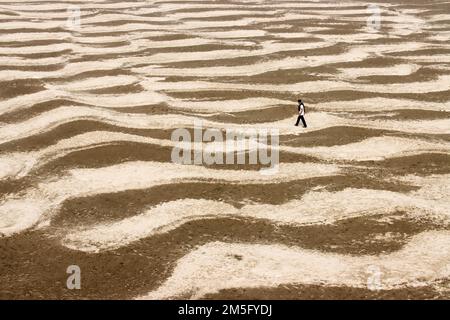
{"points": [[301, 114]]}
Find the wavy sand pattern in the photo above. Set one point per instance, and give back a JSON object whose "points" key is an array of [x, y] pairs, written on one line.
{"points": [[86, 177]]}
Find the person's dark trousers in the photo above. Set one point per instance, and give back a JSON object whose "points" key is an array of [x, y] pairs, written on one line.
{"points": [[303, 121]]}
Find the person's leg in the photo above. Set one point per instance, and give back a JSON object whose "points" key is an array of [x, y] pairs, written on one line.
{"points": [[303, 121], [298, 120]]}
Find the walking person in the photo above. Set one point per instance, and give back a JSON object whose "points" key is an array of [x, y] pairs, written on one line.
{"points": [[301, 114]]}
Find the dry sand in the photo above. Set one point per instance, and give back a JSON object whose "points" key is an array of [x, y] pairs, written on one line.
{"points": [[86, 178]]}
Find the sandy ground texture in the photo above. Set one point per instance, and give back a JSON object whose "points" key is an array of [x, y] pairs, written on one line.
{"points": [[358, 209]]}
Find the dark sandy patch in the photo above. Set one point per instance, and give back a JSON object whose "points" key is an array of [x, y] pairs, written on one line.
{"points": [[31, 43], [421, 165], [122, 89], [341, 135], [36, 68], [39, 271], [316, 292], [41, 107], [112, 206], [421, 75], [249, 60], [313, 97], [405, 114], [41, 55], [150, 51], [15, 88]]}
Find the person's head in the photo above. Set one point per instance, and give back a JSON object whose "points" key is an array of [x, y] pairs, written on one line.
{"points": [[299, 101]]}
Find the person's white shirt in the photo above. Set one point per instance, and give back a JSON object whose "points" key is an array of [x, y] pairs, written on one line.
{"points": [[302, 110]]}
